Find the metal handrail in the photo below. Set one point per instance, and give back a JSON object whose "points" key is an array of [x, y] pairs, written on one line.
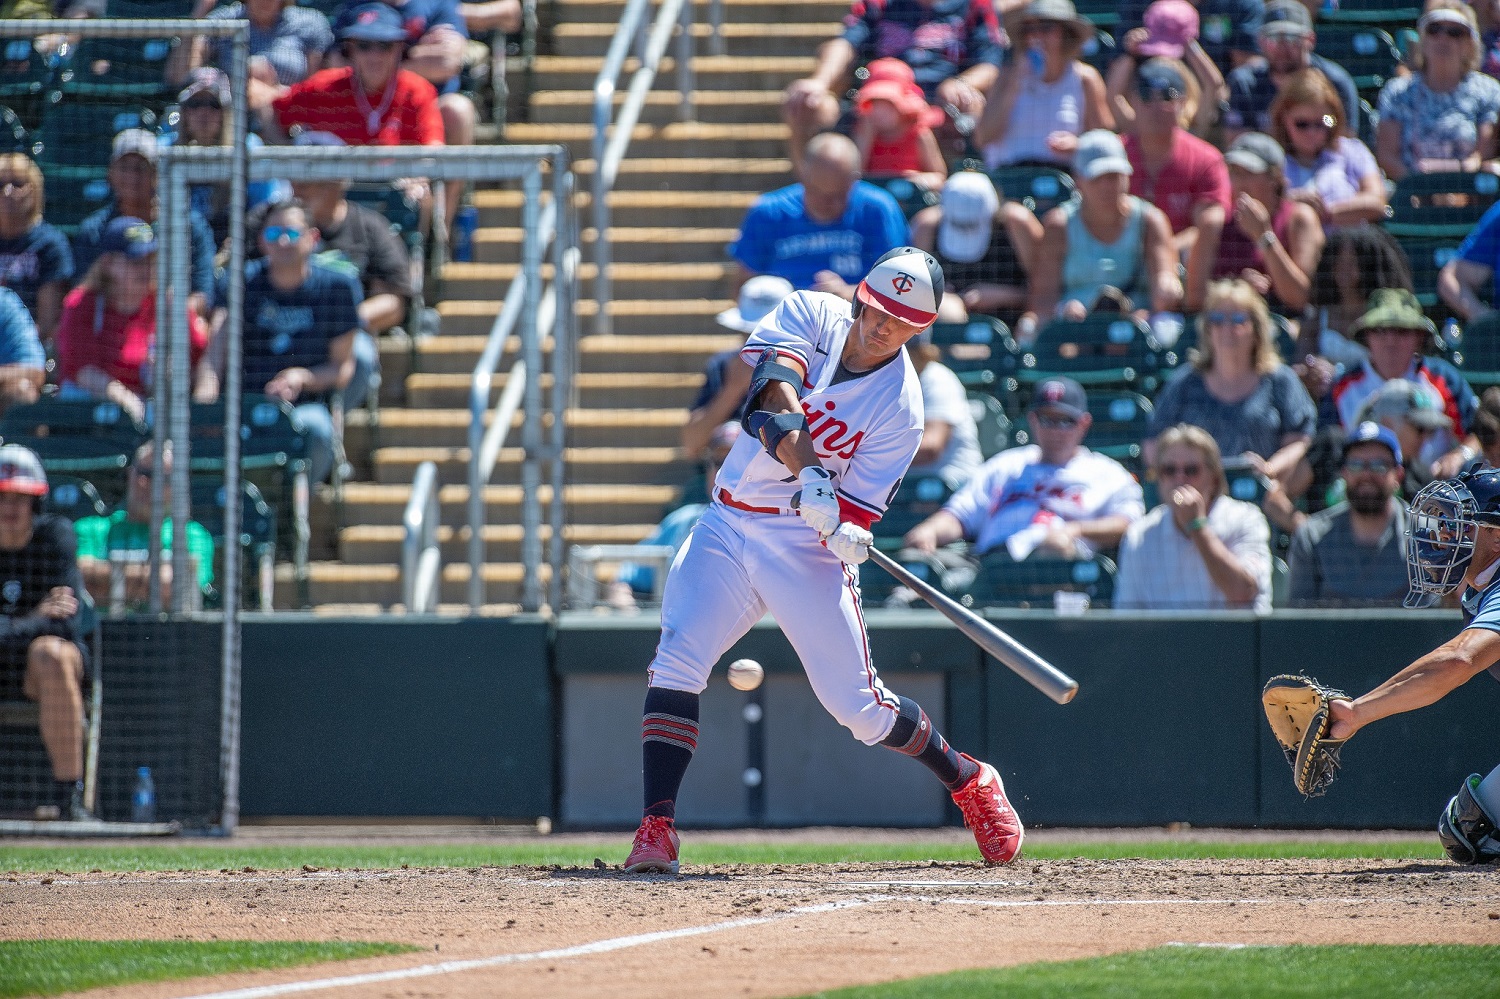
{"points": [[421, 557], [485, 443], [609, 149]]}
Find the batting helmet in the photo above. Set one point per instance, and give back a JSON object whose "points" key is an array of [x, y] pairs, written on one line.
{"points": [[1443, 524], [21, 471], [906, 283]]}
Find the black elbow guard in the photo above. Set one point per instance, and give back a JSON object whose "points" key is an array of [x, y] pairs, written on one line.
{"points": [[771, 428], [767, 370]]}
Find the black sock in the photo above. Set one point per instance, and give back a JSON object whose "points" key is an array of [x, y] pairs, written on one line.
{"points": [[914, 736], [63, 793], [669, 734]]}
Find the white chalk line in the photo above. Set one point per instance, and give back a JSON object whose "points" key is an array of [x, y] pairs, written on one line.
{"points": [[580, 950]]}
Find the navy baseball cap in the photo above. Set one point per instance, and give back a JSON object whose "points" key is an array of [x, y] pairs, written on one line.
{"points": [[128, 235], [1063, 395], [1371, 432], [372, 21]]}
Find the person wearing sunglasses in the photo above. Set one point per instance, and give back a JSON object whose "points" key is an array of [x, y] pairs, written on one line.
{"points": [[301, 318], [1287, 45], [1199, 548], [1443, 116], [1178, 172], [1353, 554], [1237, 387], [1275, 241], [1327, 168], [1053, 498]]}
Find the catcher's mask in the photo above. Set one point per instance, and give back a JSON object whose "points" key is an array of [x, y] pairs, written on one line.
{"points": [[1444, 521]]}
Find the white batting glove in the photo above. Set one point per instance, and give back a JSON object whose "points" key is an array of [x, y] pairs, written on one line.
{"points": [[850, 543], [816, 501]]}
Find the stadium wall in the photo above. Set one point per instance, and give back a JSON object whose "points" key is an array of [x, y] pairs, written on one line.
{"points": [[521, 717]]}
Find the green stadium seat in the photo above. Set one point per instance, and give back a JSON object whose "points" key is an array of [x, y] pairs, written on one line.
{"points": [[1107, 350], [328, 8], [990, 422], [14, 137], [1040, 189], [973, 351], [1003, 582], [1385, 12], [118, 68], [148, 8], [1441, 205], [1368, 53], [1103, 13], [911, 197], [257, 537], [1427, 257], [73, 197], [73, 497], [75, 137], [1478, 352], [86, 437], [919, 497], [26, 74]]}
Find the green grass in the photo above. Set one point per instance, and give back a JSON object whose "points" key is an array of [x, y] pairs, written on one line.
{"points": [[50, 967], [1366, 971], [571, 853]]}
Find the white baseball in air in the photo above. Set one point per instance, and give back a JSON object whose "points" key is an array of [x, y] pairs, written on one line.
{"points": [[745, 674]]}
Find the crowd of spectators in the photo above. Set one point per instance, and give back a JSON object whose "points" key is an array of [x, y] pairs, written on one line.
{"points": [[1227, 186]]}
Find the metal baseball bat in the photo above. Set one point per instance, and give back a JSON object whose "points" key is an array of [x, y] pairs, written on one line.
{"points": [[1026, 664]]}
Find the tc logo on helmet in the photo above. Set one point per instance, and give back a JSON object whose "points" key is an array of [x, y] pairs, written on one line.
{"points": [[903, 282]]}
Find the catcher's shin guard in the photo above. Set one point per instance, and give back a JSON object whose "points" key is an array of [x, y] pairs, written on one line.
{"points": [[1466, 830]]}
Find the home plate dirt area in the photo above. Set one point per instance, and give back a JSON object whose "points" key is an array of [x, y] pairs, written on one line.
{"points": [[744, 930]]}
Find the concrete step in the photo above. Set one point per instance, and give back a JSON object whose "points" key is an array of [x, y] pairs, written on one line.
{"points": [[370, 544], [380, 503], [712, 72], [705, 173], [586, 428], [595, 390], [797, 38], [628, 244], [470, 317], [338, 585], [630, 280], [586, 466], [676, 138], [453, 353], [661, 106], [723, 209]]}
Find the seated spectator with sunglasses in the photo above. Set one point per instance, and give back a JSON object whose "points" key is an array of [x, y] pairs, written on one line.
{"points": [[1056, 497], [1199, 549], [123, 537], [1353, 554]]}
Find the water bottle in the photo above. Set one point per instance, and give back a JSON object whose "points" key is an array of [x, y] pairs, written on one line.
{"points": [[464, 225], [143, 798]]}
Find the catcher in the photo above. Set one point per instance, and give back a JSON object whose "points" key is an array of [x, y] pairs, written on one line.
{"points": [[1452, 541]]}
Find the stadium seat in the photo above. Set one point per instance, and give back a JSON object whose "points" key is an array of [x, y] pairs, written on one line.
{"points": [[118, 68], [1040, 189], [26, 74], [1478, 352], [1441, 205], [1368, 53], [273, 455], [1119, 426], [73, 497], [1002, 581], [73, 196], [148, 8], [1104, 350], [328, 8], [875, 584], [990, 422], [14, 137], [87, 437], [1427, 257], [1384, 12], [973, 350], [75, 137], [911, 197], [257, 537], [1103, 13], [919, 497]]}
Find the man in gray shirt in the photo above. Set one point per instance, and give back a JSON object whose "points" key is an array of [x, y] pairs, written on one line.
{"points": [[1352, 554]]}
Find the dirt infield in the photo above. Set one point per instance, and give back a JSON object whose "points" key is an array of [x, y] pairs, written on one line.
{"points": [[747, 930]]}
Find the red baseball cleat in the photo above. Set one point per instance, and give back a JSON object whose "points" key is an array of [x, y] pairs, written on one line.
{"points": [[997, 828], [655, 847]]}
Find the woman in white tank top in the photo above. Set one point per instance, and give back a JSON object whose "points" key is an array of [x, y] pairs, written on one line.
{"points": [[1045, 97]]}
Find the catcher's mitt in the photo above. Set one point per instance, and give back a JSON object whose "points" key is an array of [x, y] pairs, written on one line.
{"points": [[1297, 708]]}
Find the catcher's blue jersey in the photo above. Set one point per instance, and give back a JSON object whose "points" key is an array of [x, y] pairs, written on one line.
{"points": [[1482, 610]]}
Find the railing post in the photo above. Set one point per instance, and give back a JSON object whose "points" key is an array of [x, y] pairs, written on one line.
{"points": [[685, 81]]}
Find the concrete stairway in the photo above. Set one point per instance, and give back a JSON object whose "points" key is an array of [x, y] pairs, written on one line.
{"points": [[681, 194]]}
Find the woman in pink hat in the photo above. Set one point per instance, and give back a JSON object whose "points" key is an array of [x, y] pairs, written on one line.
{"points": [[894, 127], [1170, 28]]}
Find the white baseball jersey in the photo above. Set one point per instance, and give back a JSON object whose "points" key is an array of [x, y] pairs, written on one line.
{"points": [[866, 428], [1014, 490]]}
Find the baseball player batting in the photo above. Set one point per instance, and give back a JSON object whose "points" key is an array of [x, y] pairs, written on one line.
{"points": [[834, 417], [1452, 541]]}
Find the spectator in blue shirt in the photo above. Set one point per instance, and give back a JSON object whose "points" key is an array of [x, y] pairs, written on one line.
{"points": [[1467, 282], [824, 233], [23, 363], [301, 320], [132, 188], [35, 260]]}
